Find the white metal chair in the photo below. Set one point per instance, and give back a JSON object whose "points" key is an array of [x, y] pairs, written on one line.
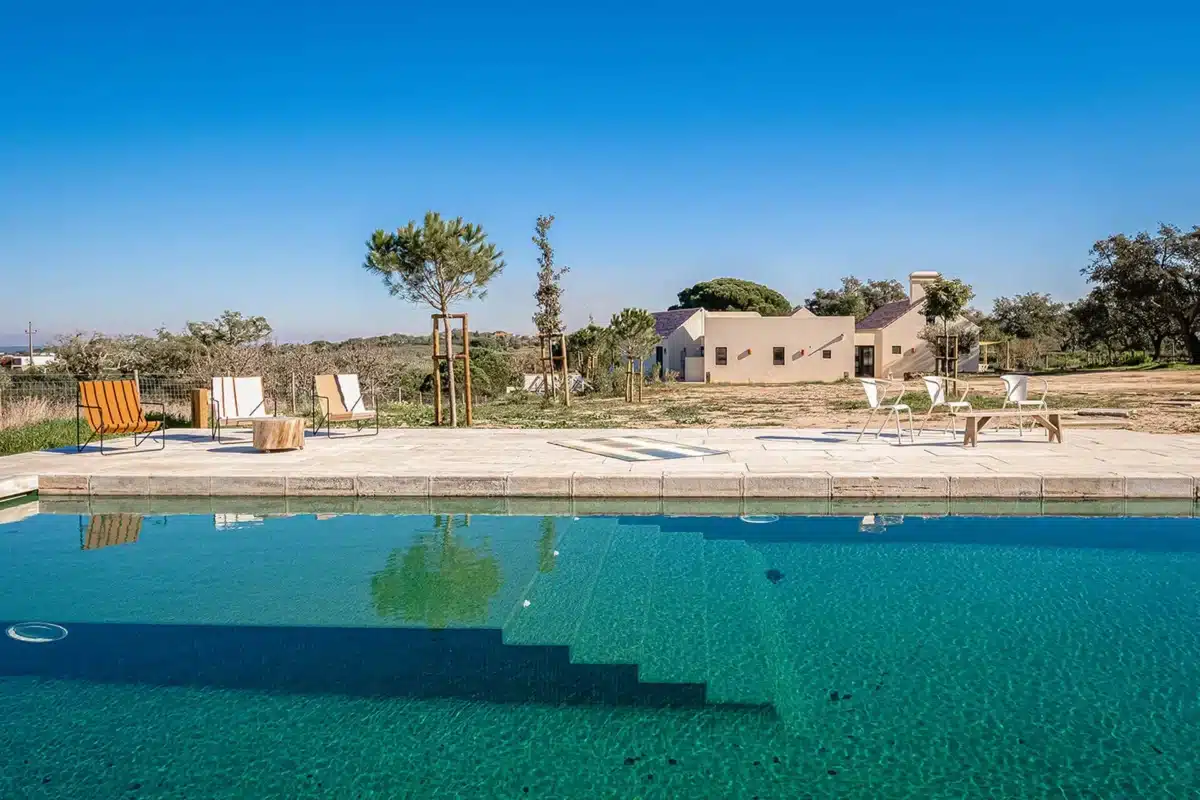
{"points": [[938, 396], [1016, 393], [237, 401], [877, 398]]}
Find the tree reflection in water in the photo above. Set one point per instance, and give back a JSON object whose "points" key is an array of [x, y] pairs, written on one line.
{"points": [[438, 580], [546, 551]]}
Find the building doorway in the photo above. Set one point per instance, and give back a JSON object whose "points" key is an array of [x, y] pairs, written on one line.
{"points": [[864, 361]]}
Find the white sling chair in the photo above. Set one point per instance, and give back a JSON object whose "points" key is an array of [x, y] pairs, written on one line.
{"points": [[237, 401]]}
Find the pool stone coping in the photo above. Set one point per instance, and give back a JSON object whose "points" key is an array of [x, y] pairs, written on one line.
{"points": [[599, 485], [529, 506]]}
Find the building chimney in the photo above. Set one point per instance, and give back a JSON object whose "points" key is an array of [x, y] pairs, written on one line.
{"points": [[917, 281]]}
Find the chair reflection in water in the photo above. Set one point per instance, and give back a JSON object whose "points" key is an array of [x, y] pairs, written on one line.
{"points": [[105, 530]]}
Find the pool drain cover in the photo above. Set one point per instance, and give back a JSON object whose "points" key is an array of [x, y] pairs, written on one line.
{"points": [[760, 519], [37, 632]]}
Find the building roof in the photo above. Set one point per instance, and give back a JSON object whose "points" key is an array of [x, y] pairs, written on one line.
{"points": [[883, 316], [667, 322]]}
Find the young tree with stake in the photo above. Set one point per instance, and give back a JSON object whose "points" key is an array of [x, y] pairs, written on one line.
{"points": [[439, 262], [548, 318]]}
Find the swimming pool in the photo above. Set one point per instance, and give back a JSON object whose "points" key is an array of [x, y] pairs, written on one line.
{"points": [[873, 655]]}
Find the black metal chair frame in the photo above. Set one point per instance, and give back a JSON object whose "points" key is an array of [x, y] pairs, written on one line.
{"points": [[215, 412], [320, 421]]}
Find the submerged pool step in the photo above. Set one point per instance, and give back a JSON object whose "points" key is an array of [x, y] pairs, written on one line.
{"points": [[738, 669], [823, 648], [675, 648], [613, 628], [776, 642], [558, 599]]}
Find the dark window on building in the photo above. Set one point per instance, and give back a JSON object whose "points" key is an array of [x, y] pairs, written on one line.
{"points": [[826, 354], [721, 356], [897, 349], [777, 356]]}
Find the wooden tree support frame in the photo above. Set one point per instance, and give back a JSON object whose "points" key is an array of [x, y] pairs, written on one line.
{"points": [[554, 366], [947, 363], [634, 378], [450, 356]]}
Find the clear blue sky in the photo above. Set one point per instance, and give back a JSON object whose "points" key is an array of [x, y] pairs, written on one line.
{"points": [[159, 165]]}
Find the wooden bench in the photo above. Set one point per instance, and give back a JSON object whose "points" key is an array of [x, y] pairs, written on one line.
{"points": [[978, 420]]}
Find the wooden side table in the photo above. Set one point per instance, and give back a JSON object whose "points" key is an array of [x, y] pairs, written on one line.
{"points": [[278, 433]]}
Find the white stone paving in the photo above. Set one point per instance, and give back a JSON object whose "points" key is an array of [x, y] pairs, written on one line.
{"points": [[758, 463]]}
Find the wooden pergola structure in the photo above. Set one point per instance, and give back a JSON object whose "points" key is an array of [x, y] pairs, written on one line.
{"points": [[983, 352]]}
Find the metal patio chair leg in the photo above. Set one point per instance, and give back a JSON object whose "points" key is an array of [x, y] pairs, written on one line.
{"points": [[925, 419], [866, 423], [886, 420]]}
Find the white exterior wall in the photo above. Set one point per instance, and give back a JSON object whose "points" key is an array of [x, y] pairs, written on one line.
{"points": [[685, 341], [749, 343], [916, 354], [39, 360]]}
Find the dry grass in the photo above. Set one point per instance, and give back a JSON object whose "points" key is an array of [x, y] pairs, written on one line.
{"points": [[839, 405], [684, 405], [26, 411]]}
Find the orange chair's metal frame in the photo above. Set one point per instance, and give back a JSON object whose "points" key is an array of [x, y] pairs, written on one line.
{"points": [[115, 408]]}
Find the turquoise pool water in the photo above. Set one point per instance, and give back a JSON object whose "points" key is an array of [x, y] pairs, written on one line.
{"points": [[599, 657]]}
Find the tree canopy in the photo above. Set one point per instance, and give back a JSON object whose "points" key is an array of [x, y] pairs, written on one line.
{"points": [[1158, 276], [1103, 319], [855, 298], [1029, 316], [230, 329], [734, 294], [439, 262], [633, 333], [946, 300]]}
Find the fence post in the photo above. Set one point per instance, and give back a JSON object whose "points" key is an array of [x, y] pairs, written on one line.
{"points": [[137, 381], [293, 394]]}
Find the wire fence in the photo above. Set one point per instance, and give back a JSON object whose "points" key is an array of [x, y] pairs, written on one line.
{"points": [[30, 398]]}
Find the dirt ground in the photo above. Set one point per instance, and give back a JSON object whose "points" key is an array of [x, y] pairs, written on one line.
{"points": [[842, 404]]}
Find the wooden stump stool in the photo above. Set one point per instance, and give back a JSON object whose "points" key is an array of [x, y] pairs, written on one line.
{"points": [[278, 433]]}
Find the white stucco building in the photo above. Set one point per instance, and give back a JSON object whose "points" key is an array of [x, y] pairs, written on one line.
{"points": [[745, 347]]}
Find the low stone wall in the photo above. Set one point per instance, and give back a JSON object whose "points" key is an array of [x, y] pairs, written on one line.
{"points": [[667, 485]]}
